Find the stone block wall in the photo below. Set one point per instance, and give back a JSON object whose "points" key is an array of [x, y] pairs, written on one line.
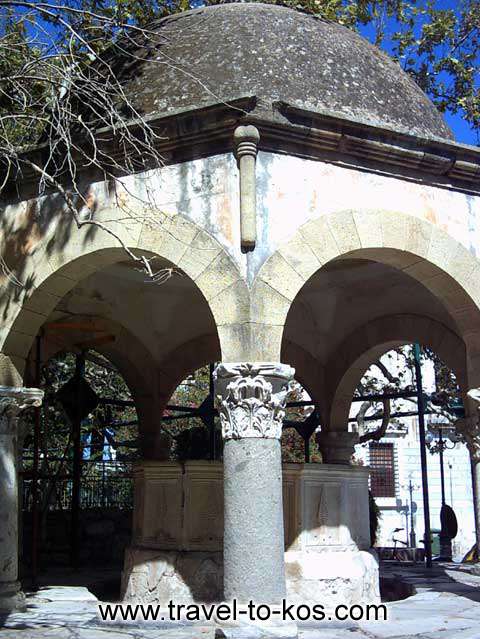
{"points": [[178, 531]]}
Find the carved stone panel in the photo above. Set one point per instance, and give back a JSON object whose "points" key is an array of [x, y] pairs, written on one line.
{"points": [[291, 474], [139, 508], [161, 506], [181, 507], [163, 512], [322, 513], [203, 509], [357, 508]]}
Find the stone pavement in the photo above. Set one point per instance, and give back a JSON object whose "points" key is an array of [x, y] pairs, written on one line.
{"points": [[446, 605]]}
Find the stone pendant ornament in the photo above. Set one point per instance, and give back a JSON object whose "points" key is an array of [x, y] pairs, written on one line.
{"points": [[252, 397], [246, 139]]}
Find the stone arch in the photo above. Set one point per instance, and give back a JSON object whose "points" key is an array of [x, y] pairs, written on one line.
{"points": [[372, 340], [127, 353], [50, 270], [195, 354], [308, 371], [415, 246]]}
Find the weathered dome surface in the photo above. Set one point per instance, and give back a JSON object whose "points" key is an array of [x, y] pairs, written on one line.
{"points": [[227, 51]]}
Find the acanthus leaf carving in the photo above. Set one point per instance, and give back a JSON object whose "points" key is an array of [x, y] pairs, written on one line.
{"points": [[252, 398], [12, 401]]}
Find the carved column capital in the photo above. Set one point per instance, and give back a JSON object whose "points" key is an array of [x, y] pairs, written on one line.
{"points": [[469, 428], [14, 399], [336, 446], [251, 398]]}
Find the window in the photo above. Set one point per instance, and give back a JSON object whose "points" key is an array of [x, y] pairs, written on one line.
{"points": [[382, 463]]}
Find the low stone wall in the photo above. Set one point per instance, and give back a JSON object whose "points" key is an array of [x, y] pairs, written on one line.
{"points": [[178, 532], [332, 577], [156, 576]]}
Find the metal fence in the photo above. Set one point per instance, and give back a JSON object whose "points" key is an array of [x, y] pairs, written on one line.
{"points": [[100, 488]]}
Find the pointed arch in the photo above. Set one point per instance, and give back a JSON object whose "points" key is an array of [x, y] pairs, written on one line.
{"points": [[52, 267], [413, 245]]}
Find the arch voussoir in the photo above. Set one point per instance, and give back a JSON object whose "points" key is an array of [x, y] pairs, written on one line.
{"points": [[409, 243], [176, 241]]}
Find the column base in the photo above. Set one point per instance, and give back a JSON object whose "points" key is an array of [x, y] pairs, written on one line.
{"points": [[158, 576], [332, 577], [11, 597]]}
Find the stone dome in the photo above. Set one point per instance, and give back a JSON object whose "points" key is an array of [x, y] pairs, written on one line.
{"points": [[228, 51]]}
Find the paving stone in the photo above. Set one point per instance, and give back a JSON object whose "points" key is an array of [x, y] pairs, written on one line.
{"points": [[65, 593], [326, 633], [445, 607]]}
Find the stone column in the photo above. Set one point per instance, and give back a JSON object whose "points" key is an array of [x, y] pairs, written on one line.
{"points": [[336, 446], [12, 401], [251, 400], [469, 428]]}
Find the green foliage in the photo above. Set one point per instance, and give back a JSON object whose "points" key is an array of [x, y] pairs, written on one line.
{"points": [[190, 436], [393, 373], [15, 51], [293, 447]]}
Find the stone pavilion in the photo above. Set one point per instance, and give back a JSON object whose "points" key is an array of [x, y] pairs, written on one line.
{"points": [[316, 211]]}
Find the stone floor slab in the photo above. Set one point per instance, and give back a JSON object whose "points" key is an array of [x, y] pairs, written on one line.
{"points": [[445, 606]]}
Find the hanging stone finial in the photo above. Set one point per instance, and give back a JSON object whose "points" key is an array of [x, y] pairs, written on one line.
{"points": [[246, 139]]}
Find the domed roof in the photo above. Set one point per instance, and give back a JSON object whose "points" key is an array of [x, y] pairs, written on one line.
{"points": [[227, 51]]}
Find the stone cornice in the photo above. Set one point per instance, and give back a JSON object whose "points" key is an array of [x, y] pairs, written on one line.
{"points": [[289, 129], [331, 137]]}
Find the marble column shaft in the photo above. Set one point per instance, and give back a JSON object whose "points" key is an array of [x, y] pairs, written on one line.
{"points": [[251, 400], [12, 401]]}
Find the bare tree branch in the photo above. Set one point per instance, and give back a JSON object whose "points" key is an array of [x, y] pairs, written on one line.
{"points": [[377, 434], [64, 110]]}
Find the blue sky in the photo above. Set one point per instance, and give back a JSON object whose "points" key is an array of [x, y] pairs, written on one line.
{"points": [[461, 129]]}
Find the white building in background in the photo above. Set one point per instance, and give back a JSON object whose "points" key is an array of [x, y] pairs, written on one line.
{"points": [[395, 462]]}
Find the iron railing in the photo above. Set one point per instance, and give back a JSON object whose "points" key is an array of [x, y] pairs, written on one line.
{"points": [[102, 486]]}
